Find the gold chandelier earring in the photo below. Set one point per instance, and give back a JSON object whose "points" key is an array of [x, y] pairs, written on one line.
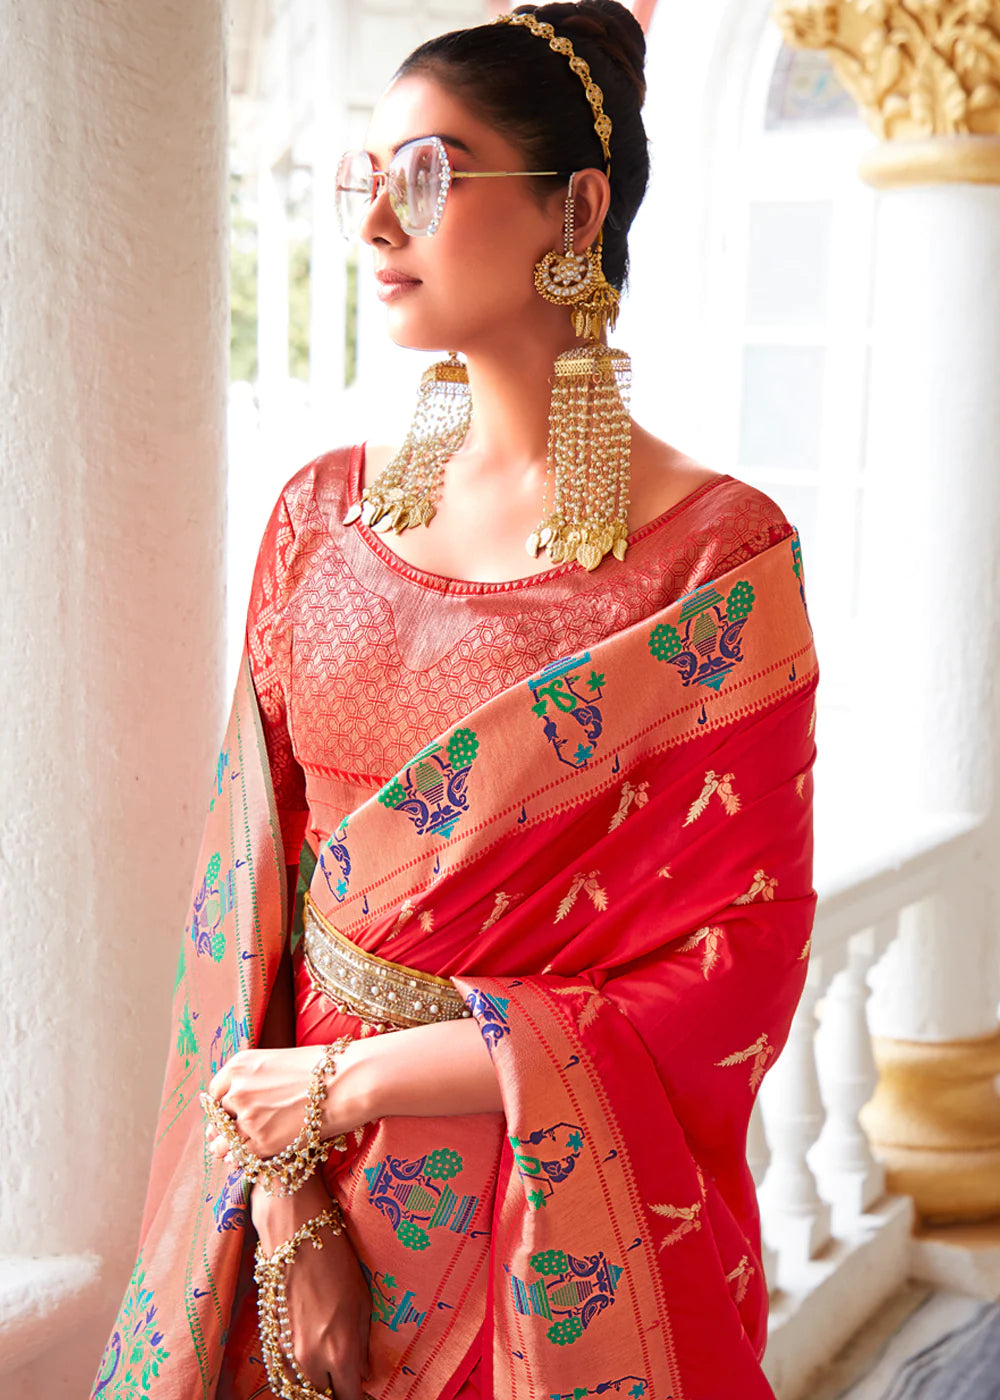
{"points": [[405, 492], [590, 431], [577, 281]]}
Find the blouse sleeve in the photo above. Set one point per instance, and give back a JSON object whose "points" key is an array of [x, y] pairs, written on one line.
{"points": [[753, 524], [269, 670]]}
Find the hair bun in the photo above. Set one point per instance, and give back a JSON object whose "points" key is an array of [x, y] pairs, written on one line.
{"points": [[609, 25]]}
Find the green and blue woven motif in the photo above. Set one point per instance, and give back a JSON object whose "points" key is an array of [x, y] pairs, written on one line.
{"points": [[431, 789], [388, 1308], [551, 1163], [414, 1195], [569, 1293], [135, 1350], [707, 645], [211, 903], [567, 698], [633, 1386]]}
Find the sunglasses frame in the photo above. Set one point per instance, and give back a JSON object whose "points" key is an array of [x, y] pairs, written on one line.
{"points": [[380, 178]]}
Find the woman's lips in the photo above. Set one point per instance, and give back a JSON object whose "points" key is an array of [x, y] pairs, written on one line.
{"points": [[393, 285]]}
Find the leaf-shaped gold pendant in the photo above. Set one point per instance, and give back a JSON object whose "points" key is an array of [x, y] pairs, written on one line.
{"points": [[604, 538], [589, 556]]}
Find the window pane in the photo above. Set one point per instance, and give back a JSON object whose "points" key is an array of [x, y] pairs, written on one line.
{"points": [[780, 422], [788, 266], [805, 89]]}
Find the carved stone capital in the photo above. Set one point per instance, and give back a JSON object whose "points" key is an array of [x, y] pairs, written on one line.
{"points": [[917, 68]]}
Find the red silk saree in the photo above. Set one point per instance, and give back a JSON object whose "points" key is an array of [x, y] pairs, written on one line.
{"points": [[612, 862]]}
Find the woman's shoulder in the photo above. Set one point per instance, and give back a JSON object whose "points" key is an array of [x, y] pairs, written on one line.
{"points": [[310, 506], [711, 521], [732, 504], [734, 520], [730, 522], [322, 486], [665, 477]]}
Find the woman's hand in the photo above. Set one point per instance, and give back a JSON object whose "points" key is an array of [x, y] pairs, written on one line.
{"points": [[329, 1304], [266, 1090]]}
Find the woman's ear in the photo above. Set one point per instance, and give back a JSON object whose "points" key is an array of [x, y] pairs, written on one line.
{"points": [[591, 199]]}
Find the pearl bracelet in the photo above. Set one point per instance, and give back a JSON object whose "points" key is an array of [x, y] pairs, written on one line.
{"points": [[284, 1374], [285, 1172]]}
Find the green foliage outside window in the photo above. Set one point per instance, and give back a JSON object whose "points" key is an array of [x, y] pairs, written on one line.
{"points": [[243, 293], [298, 309], [242, 283], [351, 320]]}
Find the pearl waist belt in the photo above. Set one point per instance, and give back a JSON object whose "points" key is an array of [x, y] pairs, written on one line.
{"points": [[383, 994]]}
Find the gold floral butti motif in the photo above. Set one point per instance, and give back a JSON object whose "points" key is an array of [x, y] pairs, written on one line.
{"points": [[917, 68]]}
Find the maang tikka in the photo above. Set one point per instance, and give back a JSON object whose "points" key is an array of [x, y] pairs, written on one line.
{"points": [[589, 444]]}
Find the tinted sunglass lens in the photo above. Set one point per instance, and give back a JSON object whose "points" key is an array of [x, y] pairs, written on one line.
{"points": [[415, 181], [353, 191]]}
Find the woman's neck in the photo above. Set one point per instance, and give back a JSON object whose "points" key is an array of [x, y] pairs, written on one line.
{"points": [[511, 387]]}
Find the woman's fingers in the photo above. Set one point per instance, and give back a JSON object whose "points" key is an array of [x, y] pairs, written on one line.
{"points": [[265, 1092], [327, 1298], [222, 1078], [217, 1146], [342, 1374], [346, 1381]]}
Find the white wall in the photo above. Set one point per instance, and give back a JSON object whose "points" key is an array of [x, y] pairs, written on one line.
{"points": [[113, 332]]}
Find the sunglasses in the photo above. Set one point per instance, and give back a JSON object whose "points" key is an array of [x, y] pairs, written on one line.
{"points": [[417, 181]]}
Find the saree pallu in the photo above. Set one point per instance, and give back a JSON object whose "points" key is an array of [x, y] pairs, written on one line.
{"points": [[612, 863]]}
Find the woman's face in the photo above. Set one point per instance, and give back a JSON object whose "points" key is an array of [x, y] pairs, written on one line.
{"points": [[473, 278]]}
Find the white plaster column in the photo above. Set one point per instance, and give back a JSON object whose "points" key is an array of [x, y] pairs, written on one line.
{"points": [[932, 507], [113, 336], [849, 1177], [931, 602], [929, 640]]}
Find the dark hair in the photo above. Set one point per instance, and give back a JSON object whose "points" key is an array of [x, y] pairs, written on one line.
{"points": [[529, 93]]}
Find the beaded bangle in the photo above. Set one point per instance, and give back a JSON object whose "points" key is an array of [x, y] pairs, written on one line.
{"points": [[285, 1172], [284, 1375]]}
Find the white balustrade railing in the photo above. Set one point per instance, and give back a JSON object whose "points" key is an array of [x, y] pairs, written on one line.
{"points": [[796, 1219], [849, 1177], [824, 1208]]}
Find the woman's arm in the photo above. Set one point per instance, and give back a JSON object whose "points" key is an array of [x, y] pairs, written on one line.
{"points": [[429, 1071], [425, 1071]]}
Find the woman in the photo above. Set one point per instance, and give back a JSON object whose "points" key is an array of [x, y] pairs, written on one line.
{"points": [[556, 821]]}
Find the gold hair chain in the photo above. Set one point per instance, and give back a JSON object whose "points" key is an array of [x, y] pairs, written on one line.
{"points": [[580, 66]]}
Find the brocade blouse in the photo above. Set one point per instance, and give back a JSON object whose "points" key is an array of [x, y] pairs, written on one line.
{"points": [[359, 659]]}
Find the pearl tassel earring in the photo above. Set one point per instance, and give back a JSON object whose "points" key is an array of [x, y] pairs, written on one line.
{"points": [[405, 491]]}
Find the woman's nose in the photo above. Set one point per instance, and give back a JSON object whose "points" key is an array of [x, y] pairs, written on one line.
{"points": [[380, 223]]}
